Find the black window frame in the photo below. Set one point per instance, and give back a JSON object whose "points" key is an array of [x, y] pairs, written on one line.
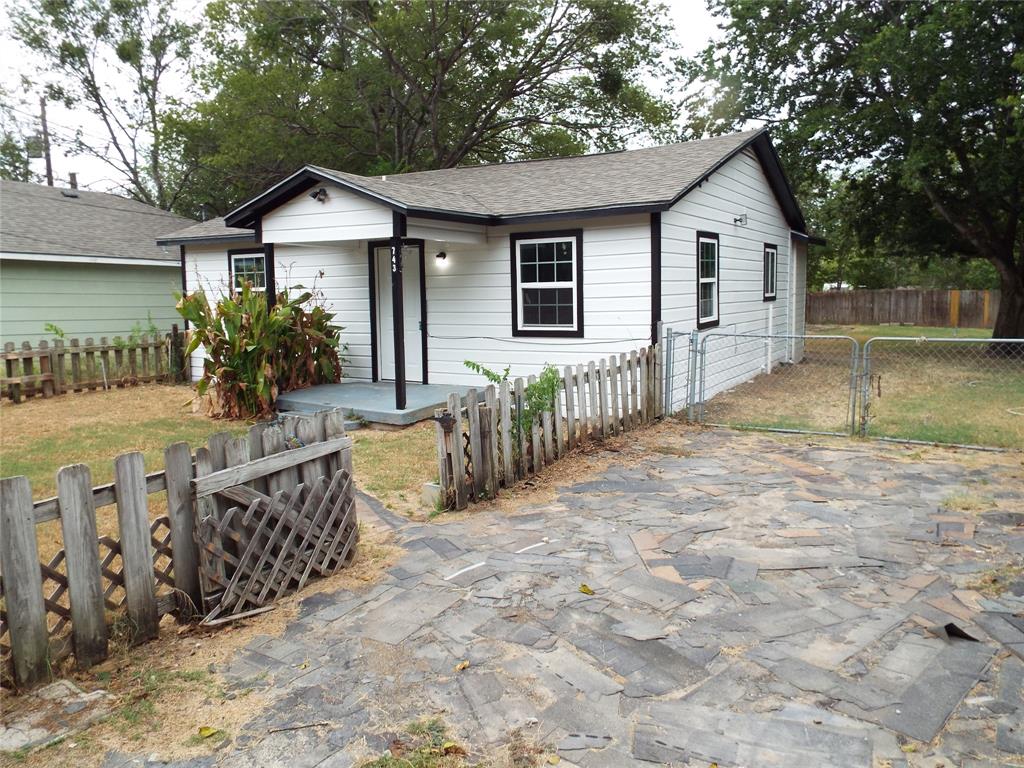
{"points": [[765, 296], [553, 333], [267, 252], [702, 324]]}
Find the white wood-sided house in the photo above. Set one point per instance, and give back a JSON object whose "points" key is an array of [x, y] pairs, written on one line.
{"points": [[520, 264]]}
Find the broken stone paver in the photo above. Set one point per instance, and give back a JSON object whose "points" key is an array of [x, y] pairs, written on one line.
{"points": [[756, 602]]}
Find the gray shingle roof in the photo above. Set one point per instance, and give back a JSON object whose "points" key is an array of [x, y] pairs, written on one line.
{"points": [[631, 177], [212, 230], [63, 222], [649, 179]]}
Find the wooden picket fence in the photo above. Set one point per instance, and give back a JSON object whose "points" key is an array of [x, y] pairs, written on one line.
{"points": [[486, 445], [159, 566], [939, 308], [46, 370]]}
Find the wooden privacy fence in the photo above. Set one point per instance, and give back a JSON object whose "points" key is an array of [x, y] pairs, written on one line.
{"points": [[912, 306], [491, 444], [71, 366], [170, 564]]}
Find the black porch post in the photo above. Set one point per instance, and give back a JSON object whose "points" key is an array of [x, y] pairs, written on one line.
{"points": [[397, 305]]}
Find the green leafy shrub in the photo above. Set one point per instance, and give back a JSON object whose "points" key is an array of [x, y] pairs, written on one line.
{"points": [[253, 354], [538, 396]]}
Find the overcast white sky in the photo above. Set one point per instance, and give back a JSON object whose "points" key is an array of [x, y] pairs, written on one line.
{"points": [[694, 27]]}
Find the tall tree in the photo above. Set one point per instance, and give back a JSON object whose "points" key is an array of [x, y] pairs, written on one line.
{"points": [[396, 85], [14, 149], [114, 58], [917, 105]]}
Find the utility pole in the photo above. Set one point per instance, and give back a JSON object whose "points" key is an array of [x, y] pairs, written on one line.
{"points": [[46, 141]]}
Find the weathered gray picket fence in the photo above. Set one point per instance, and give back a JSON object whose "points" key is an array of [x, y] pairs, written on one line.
{"points": [[155, 566], [46, 370], [487, 445]]}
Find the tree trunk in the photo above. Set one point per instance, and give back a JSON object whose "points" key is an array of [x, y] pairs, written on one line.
{"points": [[1010, 318]]}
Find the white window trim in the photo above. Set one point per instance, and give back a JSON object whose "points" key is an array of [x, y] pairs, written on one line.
{"points": [[708, 280], [521, 286], [234, 271], [773, 273]]}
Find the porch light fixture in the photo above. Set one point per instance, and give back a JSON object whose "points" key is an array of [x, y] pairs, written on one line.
{"points": [[320, 195], [741, 220], [441, 256]]}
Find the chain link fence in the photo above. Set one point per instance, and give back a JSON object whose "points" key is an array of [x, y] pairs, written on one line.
{"points": [[958, 391], [944, 390]]}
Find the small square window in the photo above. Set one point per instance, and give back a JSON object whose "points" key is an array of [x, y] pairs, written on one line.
{"points": [[249, 268]]}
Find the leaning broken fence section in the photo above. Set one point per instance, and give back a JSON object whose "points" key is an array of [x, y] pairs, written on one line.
{"points": [[249, 519], [492, 442]]}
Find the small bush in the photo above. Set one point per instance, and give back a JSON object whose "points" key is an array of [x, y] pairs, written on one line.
{"points": [[254, 354]]}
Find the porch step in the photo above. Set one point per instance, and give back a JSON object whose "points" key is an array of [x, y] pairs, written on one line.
{"points": [[372, 402]]}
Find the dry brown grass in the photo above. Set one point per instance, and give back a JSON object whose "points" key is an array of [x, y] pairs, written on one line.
{"points": [[38, 437], [165, 691]]}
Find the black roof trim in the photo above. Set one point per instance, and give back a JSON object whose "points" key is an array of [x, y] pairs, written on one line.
{"points": [[233, 238]]}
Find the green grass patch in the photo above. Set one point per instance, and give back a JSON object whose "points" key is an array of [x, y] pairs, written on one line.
{"points": [[864, 332], [425, 745]]}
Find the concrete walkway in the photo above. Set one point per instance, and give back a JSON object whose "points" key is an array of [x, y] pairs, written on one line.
{"points": [[736, 599]]}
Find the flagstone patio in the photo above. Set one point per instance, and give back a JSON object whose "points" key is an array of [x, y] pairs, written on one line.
{"points": [[741, 599]]}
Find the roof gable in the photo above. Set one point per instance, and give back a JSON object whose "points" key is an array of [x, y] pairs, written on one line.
{"points": [[639, 180]]}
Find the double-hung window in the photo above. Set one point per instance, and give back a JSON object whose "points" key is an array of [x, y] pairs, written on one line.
{"points": [[771, 265], [248, 266], [547, 284], [707, 279]]}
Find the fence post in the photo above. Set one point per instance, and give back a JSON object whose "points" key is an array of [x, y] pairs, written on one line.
{"points": [[668, 350], [691, 373], [491, 401], [486, 469], [82, 558], [444, 477], [177, 364], [136, 544], [596, 430], [178, 474], [507, 463], [659, 364], [627, 416], [602, 393], [58, 366], [570, 408], [476, 448], [23, 586], [865, 392], [457, 451], [613, 391], [524, 461]]}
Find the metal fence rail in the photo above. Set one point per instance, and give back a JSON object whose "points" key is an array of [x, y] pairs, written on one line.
{"points": [[944, 390]]}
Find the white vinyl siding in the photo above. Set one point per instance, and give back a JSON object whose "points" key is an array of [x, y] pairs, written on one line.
{"points": [[738, 187], [469, 302], [342, 216], [337, 272]]}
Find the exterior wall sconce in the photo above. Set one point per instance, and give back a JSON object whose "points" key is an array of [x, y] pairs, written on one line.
{"points": [[441, 256], [320, 195], [741, 220]]}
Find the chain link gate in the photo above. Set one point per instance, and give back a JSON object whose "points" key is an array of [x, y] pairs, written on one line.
{"points": [[956, 391], [793, 383]]}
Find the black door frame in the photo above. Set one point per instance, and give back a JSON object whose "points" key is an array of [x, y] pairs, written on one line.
{"points": [[372, 247]]}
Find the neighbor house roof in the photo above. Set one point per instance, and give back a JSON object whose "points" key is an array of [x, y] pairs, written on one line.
{"points": [[211, 231], [651, 179], [37, 220]]}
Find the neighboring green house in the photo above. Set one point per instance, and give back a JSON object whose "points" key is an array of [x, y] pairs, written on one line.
{"points": [[83, 261]]}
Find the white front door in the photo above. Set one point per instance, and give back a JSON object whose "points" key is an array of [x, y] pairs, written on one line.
{"points": [[385, 313]]}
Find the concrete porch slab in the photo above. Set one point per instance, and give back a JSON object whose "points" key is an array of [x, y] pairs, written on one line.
{"points": [[372, 401]]}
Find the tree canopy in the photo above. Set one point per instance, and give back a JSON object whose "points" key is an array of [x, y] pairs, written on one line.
{"points": [[113, 57], [914, 108], [398, 85]]}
